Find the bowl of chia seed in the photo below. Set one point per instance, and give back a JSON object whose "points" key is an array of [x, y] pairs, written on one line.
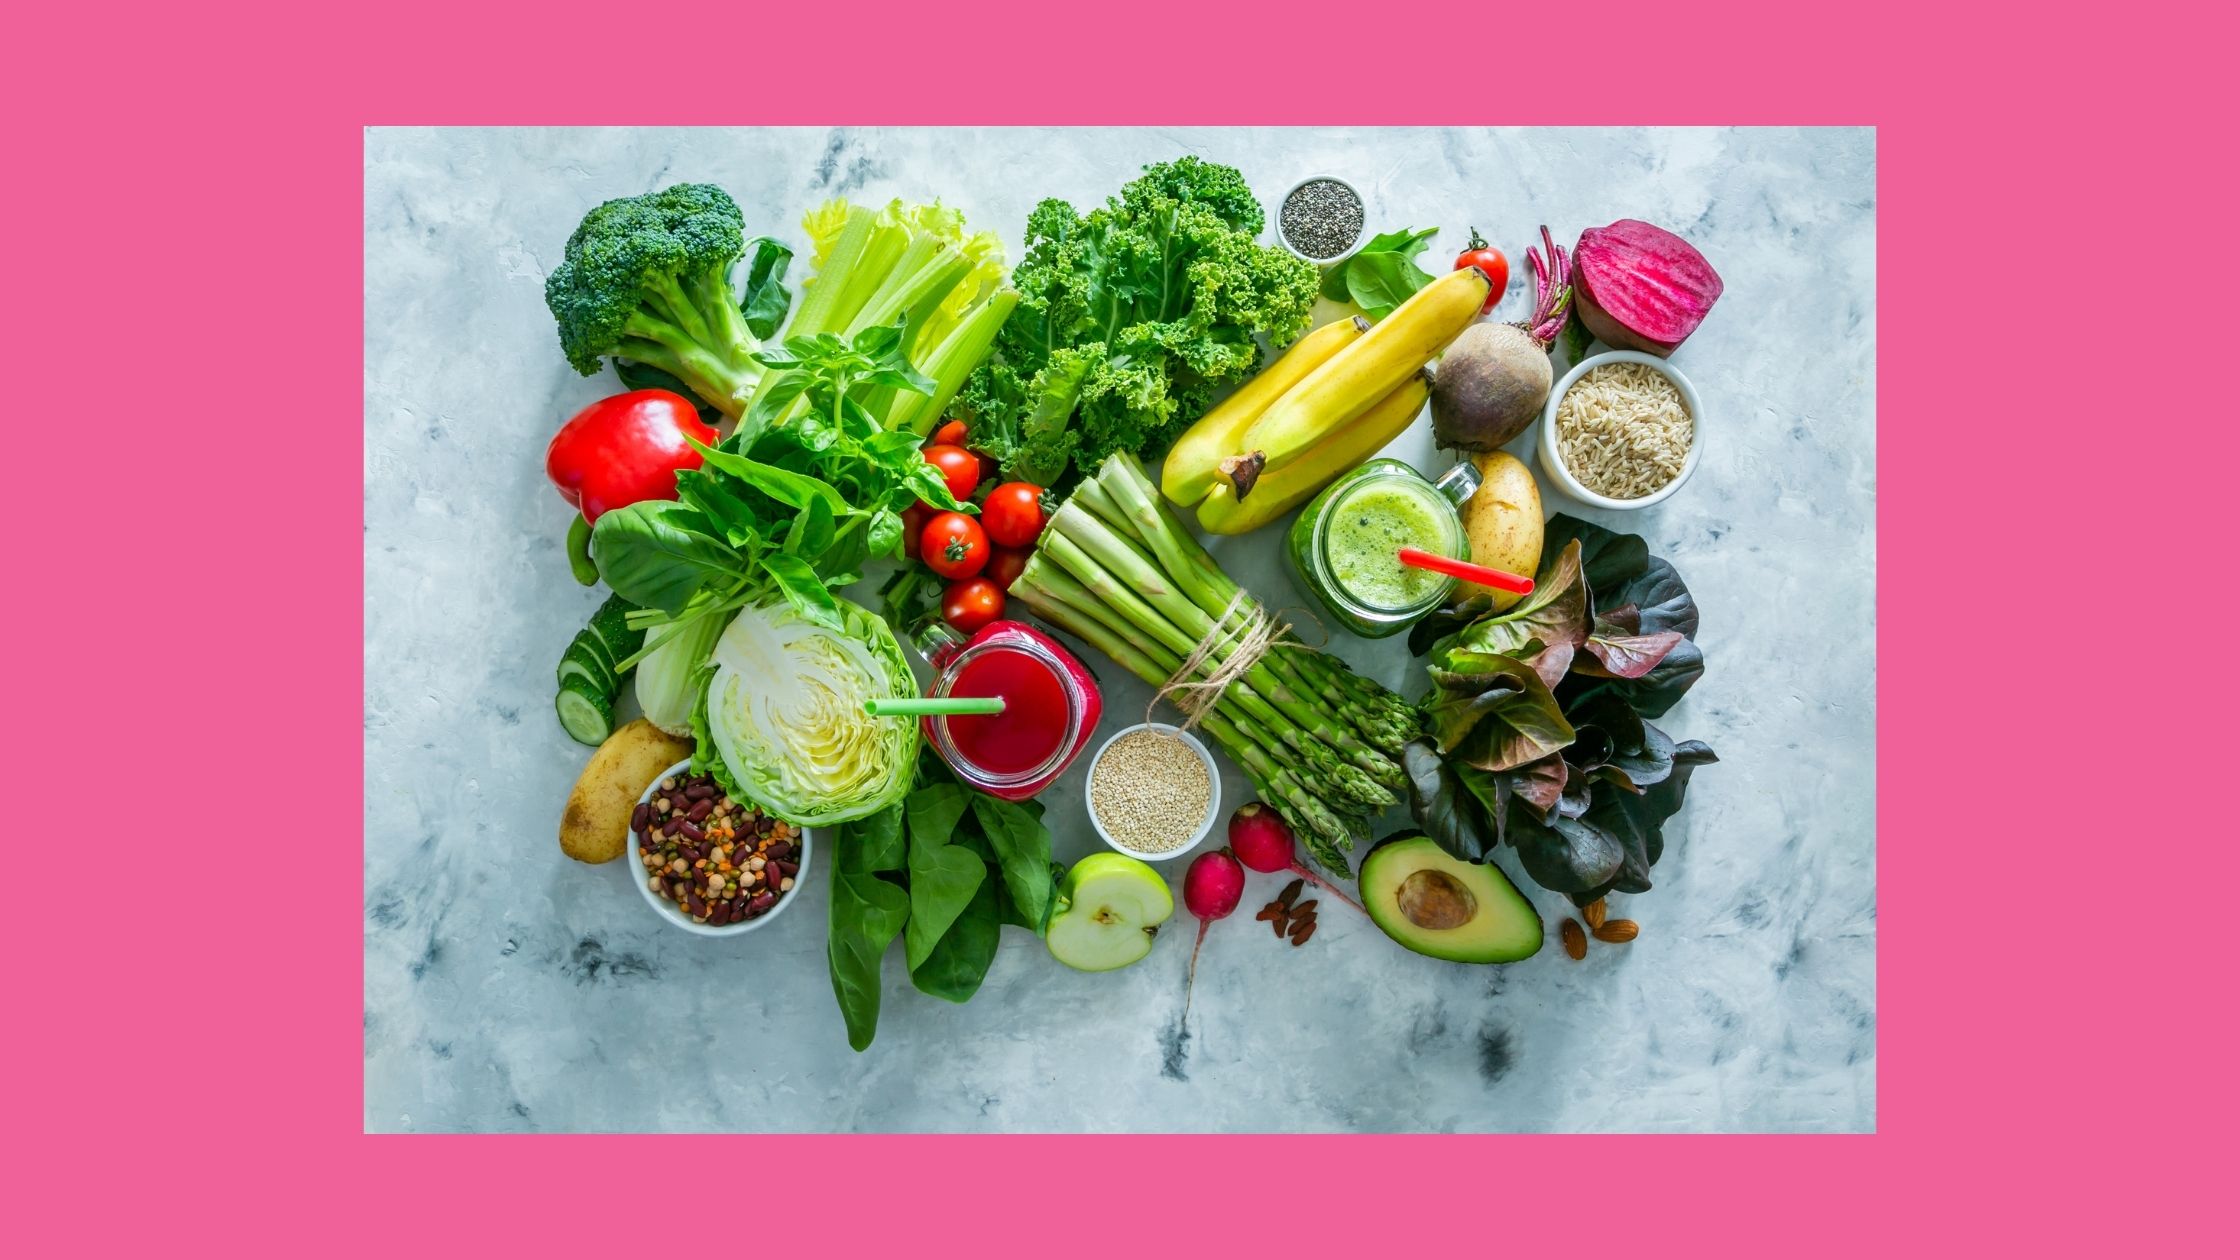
{"points": [[1320, 219]]}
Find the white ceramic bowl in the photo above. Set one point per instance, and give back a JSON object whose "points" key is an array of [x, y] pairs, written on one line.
{"points": [[674, 915], [1551, 454], [1204, 825], [1359, 237]]}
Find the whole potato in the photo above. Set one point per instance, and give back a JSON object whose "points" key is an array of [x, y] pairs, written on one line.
{"points": [[595, 827], [1503, 521]]}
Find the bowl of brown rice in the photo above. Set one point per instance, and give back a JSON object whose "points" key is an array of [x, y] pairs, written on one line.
{"points": [[1622, 430]]}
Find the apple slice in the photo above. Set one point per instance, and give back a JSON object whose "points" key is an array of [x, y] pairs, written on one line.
{"points": [[1116, 907]]}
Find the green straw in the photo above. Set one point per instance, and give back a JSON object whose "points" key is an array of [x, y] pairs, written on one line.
{"points": [[889, 706]]}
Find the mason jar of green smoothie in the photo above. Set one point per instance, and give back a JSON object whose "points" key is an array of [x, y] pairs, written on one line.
{"points": [[1344, 548]]}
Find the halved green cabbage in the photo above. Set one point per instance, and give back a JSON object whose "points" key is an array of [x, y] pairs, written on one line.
{"points": [[785, 709]]}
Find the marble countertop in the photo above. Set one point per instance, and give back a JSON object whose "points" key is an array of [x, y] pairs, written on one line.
{"points": [[508, 988]]}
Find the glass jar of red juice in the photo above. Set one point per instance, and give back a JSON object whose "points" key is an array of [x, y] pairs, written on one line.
{"points": [[1051, 706]]}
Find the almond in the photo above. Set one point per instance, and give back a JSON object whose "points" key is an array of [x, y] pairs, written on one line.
{"points": [[1574, 940], [1595, 912], [1618, 931]]}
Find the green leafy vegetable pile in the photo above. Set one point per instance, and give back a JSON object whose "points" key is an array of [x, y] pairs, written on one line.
{"points": [[943, 870], [1131, 319], [1538, 715]]}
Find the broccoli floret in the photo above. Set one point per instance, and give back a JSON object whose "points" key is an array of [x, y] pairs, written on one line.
{"points": [[649, 279], [1218, 188]]}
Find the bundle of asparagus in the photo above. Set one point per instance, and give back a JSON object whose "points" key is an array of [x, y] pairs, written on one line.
{"points": [[1116, 569]]}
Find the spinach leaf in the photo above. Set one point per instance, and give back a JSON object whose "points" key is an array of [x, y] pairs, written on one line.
{"points": [[943, 881], [1382, 274], [765, 301], [659, 554], [1008, 910], [960, 960], [873, 843], [1022, 844], [934, 811], [867, 913]]}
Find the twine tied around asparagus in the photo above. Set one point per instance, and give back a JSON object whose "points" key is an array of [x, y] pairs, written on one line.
{"points": [[1239, 637]]}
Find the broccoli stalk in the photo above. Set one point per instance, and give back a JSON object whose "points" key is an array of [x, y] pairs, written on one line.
{"points": [[649, 279]]}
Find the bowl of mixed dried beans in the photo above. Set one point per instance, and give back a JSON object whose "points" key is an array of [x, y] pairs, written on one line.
{"points": [[709, 864]]}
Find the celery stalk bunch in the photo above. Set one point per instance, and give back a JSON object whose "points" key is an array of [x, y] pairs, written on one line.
{"points": [[915, 265]]}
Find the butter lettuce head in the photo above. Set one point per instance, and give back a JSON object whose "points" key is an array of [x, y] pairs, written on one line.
{"points": [[784, 708]]}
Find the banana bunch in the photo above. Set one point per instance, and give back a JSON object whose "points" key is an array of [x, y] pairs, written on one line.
{"points": [[1334, 399]]}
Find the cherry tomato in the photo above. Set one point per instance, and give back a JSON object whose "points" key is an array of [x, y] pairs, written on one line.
{"points": [[1012, 514], [914, 520], [1489, 260], [1004, 565], [950, 433], [959, 467], [953, 545], [971, 604]]}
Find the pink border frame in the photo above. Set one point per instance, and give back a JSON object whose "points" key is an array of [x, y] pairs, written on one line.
{"points": [[190, 1074]]}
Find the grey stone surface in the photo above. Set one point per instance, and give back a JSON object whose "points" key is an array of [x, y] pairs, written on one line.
{"points": [[508, 988]]}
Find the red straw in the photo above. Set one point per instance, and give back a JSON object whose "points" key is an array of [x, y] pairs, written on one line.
{"points": [[1468, 572]]}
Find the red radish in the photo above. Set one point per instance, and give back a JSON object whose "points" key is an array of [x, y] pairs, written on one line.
{"points": [[1211, 889], [1262, 841], [1640, 287]]}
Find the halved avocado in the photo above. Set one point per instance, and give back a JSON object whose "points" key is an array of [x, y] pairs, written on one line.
{"points": [[1439, 905]]}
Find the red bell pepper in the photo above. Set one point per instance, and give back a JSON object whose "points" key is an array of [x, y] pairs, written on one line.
{"points": [[624, 450]]}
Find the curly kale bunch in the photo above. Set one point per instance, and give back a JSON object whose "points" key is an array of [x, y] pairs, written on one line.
{"points": [[1131, 319]]}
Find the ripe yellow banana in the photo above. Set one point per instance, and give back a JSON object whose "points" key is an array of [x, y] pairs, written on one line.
{"points": [[1353, 380], [1194, 465], [1287, 487]]}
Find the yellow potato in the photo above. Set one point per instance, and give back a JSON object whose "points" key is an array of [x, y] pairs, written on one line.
{"points": [[1503, 522], [596, 825]]}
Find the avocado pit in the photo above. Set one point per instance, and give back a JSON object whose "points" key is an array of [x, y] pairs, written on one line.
{"points": [[1436, 900]]}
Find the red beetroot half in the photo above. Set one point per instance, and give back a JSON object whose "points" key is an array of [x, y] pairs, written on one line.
{"points": [[1640, 287]]}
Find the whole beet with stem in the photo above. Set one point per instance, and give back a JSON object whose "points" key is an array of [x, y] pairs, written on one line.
{"points": [[1493, 380]]}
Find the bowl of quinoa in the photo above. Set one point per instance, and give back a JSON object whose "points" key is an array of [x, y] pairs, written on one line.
{"points": [[1153, 792]]}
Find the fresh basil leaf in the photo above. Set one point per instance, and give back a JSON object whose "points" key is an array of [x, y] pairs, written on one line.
{"points": [[1022, 846], [793, 489], [788, 385], [959, 961], [765, 301], [659, 554], [811, 533], [733, 517], [636, 375], [798, 581], [884, 535]]}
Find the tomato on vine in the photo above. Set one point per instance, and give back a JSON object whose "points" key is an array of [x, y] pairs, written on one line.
{"points": [[953, 545], [1489, 260]]}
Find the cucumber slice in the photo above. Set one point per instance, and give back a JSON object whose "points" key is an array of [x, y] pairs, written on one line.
{"points": [[585, 713], [607, 623], [582, 661], [589, 649]]}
